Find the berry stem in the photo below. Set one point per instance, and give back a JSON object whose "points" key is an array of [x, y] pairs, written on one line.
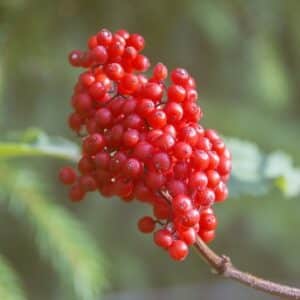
{"points": [[222, 266]]}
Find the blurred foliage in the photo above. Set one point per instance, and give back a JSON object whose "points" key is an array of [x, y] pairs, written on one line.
{"points": [[245, 57], [60, 238], [10, 287]]}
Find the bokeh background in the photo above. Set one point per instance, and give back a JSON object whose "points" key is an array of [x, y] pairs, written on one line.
{"points": [[246, 60]]}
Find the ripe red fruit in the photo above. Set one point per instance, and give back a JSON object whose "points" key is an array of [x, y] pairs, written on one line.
{"points": [[99, 55], [137, 41], [82, 103], [207, 236], [178, 250], [182, 150], [141, 140], [132, 168], [180, 76], [174, 111], [76, 193], [146, 224], [160, 72], [188, 236], [88, 183], [93, 144], [208, 222], [176, 93], [104, 37], [157, 119], [75, 58], [182, 204], [67, 175], [163, 238], [152, 91], [114, 71]]}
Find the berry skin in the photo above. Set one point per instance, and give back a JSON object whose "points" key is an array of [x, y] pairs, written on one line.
{"points": [[207, 236], [161, 161], [160, 72], [182, 150], [188, 236], [88, 183], [157, 119], [180, 76], [75, 122], [176, 93], [67, 175], [208, 222], [76, 193], [178, 250], [93, 144], [137, 41], [174, 111], [130, 137], [75, 58], [182, 204], [132, 168], [104, 37], [141, 140], [99, 55], [163, 238], [114, 71], [82, 103], [146, 224]]}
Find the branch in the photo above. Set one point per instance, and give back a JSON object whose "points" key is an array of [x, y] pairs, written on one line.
{"points": [[223, 266]]}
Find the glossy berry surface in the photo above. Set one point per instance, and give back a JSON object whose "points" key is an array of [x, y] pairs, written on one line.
{"points": [[141, 141]]}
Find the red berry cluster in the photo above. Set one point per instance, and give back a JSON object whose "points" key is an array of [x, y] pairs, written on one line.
{"points": [[141, 140]]}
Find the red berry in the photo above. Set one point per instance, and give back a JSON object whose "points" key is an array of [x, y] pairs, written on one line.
{"points": [[163, 238], [104, 37], [161, 162], [114, 71], [208, 222], [141, 63], [132, 168], [152, 91], [188, 236], [178, 250], [76, 193], [67, 175], [75, 58], [174, 111], [157, 119], [182, 150], [146, 224], [137, 41], [99, 55], [207, 236], [88, 183], [93, 144], [130, 137], [182, 204], [180, 76], [160, 72], [221, 192], [200, 160], [176, 93]]}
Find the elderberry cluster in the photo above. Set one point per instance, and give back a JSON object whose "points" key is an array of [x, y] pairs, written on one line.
{"points": [[141, 140]]}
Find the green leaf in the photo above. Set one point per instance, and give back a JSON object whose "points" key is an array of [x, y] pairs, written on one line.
{"points": [[60, 237], [34, 142], [256, 173], [10, 285]]}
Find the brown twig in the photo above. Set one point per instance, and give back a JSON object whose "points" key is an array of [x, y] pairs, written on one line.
{"points": [[222, 265]]}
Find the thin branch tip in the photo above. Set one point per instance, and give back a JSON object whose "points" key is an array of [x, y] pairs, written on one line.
{"points": [[222, 265]]}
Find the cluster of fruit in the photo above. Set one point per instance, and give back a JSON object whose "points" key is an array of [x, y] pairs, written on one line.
{"points": [[141, 140]]}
